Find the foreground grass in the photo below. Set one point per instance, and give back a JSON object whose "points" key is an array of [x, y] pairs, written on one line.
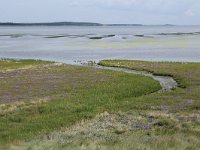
{"points": [[135, 119], [46, 96], [132, 130]]}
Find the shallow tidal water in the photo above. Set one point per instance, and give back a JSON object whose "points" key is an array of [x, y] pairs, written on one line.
{"points": [[73, 44]]}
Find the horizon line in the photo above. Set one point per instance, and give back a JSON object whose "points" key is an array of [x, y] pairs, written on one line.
{"points": [[92, 23]]}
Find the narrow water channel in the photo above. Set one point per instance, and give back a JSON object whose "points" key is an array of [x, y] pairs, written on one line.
{"points": [[167, 83]]}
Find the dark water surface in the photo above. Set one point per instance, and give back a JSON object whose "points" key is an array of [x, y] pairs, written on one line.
{"points": [[72, 44]]}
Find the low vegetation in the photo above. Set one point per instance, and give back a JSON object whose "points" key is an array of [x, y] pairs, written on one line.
{"points": [[6, 64], [38, 97], [68, 107], [186, 74]]}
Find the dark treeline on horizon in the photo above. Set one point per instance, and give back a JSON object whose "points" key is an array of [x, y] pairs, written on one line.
{"points": [[63, 24], [70, 24], [50, 24]]}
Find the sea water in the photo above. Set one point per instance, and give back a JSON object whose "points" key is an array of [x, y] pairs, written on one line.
{"points": [[75, 44]]}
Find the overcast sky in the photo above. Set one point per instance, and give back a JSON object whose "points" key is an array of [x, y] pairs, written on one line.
{"points": [[102, 11]]}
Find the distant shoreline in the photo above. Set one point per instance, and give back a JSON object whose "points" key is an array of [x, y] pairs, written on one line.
{"points": [[51, 24], [70, 24]]}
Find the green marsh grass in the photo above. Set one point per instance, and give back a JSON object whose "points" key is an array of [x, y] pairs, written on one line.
{"points": [[72, 94], [6, 64], [135, 115]]}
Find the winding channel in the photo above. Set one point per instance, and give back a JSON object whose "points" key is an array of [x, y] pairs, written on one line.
{"points": [[167, 83]]}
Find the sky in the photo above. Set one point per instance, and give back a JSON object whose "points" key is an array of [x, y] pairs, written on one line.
{"points": [[179, 12]]}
